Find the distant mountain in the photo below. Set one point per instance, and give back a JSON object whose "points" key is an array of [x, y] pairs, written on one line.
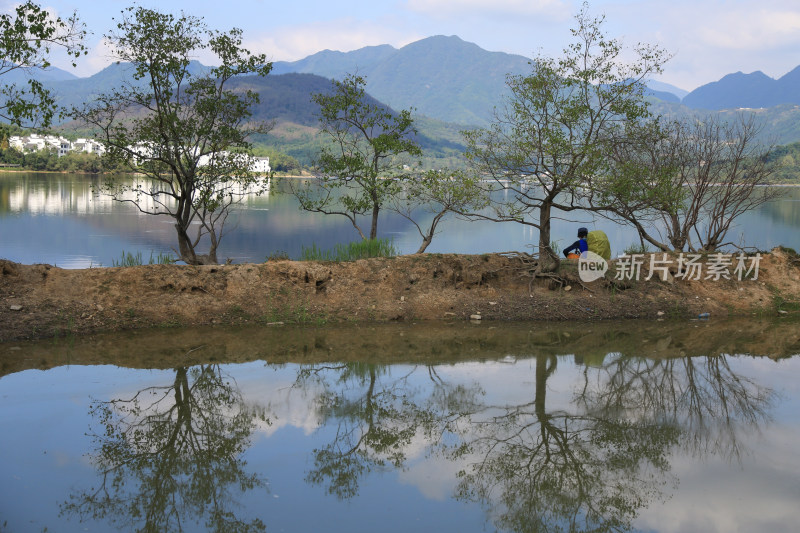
{"points": [[21, 76], [739, 90], [76, 91], [332, 64], [664, 96], [660, 86], [286, 99], [441, 77], [451, 84]]}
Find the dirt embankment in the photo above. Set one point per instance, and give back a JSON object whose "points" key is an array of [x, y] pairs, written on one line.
{"points": [[43, 301]]}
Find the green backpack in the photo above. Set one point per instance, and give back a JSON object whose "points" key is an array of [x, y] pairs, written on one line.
{"points": [[599, 244]]}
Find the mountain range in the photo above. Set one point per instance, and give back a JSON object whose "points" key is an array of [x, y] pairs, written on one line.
{"points": [[454, 84], [750, 91]]}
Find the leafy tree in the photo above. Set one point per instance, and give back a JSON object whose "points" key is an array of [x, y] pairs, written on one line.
{"points": [[181, 128], [29, 34], [362, 168], [432, 196], [710, 173], [560, 122]]}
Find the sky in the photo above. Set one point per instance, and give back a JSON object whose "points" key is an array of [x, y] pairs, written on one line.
{"points": [[707, 38]]}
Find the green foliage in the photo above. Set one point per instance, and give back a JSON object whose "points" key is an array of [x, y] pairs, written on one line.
{"points": [[129, 259], [788, 160], [279, 161], [29, 33], [437, 193], [351, 251], [700, 177], [179, 125], [550, 143], [363, 163], [280, 255]]}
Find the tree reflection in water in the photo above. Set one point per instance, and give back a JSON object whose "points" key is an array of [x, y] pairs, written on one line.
{"points": [[704, 396], [170, 456], [537, 468], [590, 465], [377, 419]]}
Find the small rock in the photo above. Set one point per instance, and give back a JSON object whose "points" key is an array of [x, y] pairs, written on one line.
{"points": [[660, 313], [99, 307], [492, 303], [475, 317], [16, 308], [402, 298], [781, 311], [448, 313], [274, 323], [568, 288], [15, 348]]}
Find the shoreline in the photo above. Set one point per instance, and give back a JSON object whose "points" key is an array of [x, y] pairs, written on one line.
{"points": [[291, 176], [42, 301]]}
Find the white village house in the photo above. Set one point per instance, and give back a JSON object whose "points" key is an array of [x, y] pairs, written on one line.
{"points": [[36, 142]]}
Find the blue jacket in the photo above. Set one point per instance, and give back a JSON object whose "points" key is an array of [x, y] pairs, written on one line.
{"points": [[579, 245]]}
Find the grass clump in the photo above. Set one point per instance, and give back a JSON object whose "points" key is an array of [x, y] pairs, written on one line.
{"points": [[279, 255], [640, 248], [129, 259], [351, 251]]}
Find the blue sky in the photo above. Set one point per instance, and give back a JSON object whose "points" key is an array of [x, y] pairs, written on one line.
{"points": [[708, 38]]}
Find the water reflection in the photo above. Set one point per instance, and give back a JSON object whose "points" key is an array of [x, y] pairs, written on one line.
{"points": [[524, 427], [170, 456], [377, 418], [590, 465], [712, 404]]}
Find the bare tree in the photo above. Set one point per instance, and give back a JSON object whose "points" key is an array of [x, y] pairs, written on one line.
{"points": [[715, 170]]}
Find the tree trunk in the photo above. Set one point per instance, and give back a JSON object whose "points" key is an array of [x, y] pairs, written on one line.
{"points": [[548, 260], [185, 247], [426, 239], [425, 242], [373, 232]]}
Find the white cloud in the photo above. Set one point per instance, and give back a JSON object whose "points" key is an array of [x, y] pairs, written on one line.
{"points": [[297, 42], [746, 30]]}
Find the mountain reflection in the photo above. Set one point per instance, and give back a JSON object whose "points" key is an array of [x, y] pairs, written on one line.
{"points": [[170, 456]]}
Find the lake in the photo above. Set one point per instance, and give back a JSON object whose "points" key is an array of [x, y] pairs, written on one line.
{"points": [[634, 426], [55, 219]]}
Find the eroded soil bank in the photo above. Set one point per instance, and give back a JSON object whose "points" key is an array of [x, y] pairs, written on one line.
{"points": [[43, 301]]}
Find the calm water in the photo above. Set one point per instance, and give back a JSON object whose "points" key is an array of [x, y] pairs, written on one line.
{"points": [[445, 428], [55, 219]]}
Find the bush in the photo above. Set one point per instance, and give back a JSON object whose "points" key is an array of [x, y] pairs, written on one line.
{"points": [[129, 259], [351, 251]]}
